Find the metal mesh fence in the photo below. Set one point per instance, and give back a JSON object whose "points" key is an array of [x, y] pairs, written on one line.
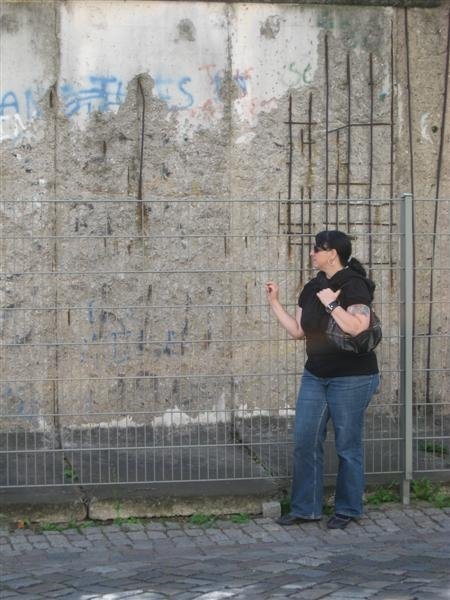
{"points": [[431, 336], [137, 344]]}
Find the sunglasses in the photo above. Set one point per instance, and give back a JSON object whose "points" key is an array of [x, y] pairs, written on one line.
{"points": [[317, 249]]}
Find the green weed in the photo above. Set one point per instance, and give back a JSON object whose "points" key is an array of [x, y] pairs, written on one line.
{"points": [[441, 500], [433, 448], [86, 524], [127, 521], [383, 494], [70, 473], [424, 489], [285, 503], [51, 527], [72, 524], [240, 518], [202, 519]]}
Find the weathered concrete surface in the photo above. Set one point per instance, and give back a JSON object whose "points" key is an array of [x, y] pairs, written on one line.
{"points": [[225, 498], [60, 505], [105, 502], [136, 299]]}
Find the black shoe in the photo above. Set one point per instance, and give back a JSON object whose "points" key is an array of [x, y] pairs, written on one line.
{"points": [[338, 522], [289, 519]]}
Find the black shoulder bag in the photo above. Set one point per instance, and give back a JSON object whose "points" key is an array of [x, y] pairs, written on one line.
{"points": [[364, 342]]}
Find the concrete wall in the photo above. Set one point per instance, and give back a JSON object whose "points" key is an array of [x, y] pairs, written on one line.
{"points": [[142, 102]]}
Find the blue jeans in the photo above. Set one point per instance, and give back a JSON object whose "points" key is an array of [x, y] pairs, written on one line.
{"points": [[344, 400]]}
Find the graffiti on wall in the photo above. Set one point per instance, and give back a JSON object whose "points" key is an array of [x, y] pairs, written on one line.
{"points": [[16, 110], [101, 95], [185, 92]]}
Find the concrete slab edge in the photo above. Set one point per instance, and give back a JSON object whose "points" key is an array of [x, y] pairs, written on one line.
{"points": [[106, 509], [110, 509]]}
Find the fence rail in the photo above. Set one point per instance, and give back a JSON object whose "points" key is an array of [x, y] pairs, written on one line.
{"points": [[137, 344]]}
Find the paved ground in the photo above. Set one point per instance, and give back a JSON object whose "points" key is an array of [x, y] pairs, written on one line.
{"points": [[391, 554]]}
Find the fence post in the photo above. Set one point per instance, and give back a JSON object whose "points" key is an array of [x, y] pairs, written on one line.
{"points": [[406, 341]]}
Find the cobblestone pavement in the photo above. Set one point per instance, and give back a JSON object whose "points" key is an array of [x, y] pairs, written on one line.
{"points": [[395, 554]]}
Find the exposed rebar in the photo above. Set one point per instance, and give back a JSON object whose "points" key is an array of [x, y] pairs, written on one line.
{"points": [[436, 211]]}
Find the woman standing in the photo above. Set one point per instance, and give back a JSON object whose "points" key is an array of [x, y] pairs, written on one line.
{"points": [[335, 384]]}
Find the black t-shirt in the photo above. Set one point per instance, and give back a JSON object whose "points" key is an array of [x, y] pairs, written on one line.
{"points": [[324, 359]]}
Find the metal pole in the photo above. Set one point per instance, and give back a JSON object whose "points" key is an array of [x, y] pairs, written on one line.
{"points": [[406, 355]]}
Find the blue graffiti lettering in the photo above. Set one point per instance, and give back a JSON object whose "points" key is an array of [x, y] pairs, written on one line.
{"points": [[217, 82], [168, 349], [114, 337], [295, 75], [307, 75], [164, 85], [190, 101], [106, 92], [293, 69], [9, 100], [120, 353], [241, 80], [91, 318], [215, 78]]}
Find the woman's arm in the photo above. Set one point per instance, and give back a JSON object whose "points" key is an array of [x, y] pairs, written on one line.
{"points": [[291, 324], [354, 320]]}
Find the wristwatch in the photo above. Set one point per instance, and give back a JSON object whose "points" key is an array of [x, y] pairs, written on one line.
{"points": [[331, 306]]}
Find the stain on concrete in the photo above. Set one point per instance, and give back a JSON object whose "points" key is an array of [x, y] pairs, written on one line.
{"points": [[271, 27], [186, 30], [228, 88], [9, 23]]}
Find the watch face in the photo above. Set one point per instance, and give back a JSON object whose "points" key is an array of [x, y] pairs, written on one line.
{"points": [[331, 306]]}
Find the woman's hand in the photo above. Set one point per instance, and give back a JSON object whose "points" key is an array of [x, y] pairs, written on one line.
{"points": [[327, 295], [272, 291], [291, 324]]}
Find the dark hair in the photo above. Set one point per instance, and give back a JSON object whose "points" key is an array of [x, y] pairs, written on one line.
{"points": [[340, 241]]}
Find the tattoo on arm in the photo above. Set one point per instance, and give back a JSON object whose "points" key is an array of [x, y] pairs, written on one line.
{"points": [[359, 309]]}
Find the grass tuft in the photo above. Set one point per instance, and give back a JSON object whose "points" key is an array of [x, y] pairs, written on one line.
{"points": [[433, 448], [202, 519], [127, 521], [383, 494], [240, 518]]}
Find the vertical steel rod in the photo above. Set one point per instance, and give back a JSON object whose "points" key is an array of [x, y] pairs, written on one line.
{"points": [[391, 177], [55, 260], [302, 241], [141, 141], [291, 150], [338, 167], [327, 100], [406, 337], [349, 134], [291, 153], [436, 211], [369, 204]]}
